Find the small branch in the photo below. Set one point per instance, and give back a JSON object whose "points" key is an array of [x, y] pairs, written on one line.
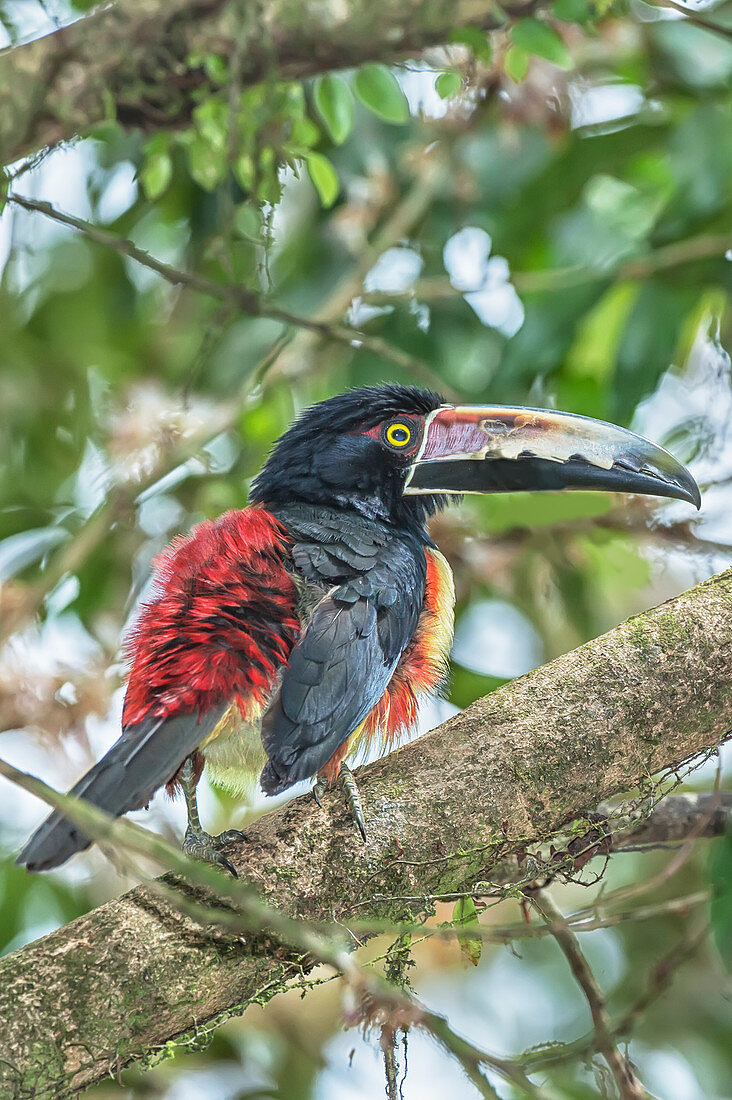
{"points": [[239, 297], [693, 17], [659, 981], [674, 820], [388, 1043], [628, 1084]]}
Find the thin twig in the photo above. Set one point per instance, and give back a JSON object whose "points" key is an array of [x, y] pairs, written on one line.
{"points": [[659, 981], [628, 1084], [693, 17], [439, 288], [244, 300]]}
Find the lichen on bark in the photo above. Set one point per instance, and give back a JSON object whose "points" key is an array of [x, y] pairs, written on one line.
{"points": [[444, 812]]}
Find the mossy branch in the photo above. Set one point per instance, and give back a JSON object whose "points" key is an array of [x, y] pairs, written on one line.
{"points": [[443, 813], [133, 60]]}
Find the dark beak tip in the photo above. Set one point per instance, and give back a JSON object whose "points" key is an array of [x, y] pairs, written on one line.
{"points": [[689, 490]]}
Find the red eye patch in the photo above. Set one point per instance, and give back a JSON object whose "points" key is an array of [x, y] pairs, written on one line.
{"points": [[399, 434]]}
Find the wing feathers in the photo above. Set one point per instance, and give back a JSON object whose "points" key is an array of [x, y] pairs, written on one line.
{"points": [[344, 661]]}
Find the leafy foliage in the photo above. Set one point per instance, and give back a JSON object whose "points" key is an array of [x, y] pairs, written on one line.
{"points": [[522, 230]]}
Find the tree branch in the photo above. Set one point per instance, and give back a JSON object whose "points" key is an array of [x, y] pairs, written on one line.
{"points": [[132, 59], [513, 769], [660, 978], [237, 297], [629, 1087]]}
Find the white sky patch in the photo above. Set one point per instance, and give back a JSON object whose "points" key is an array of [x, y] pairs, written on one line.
{"points": [[360, 313], [394, 271], [698, 402], [22, 549], [496, 639], [119, 193], [89, 484], [668, 1074], [483, 279], [159, 515], [465, 257], [498, 307], [418, 85], [596, 104], [61, 178]]}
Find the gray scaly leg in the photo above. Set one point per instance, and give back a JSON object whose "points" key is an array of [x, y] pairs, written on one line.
{"points": [[353, 798], [319, 789], [197, 843]]}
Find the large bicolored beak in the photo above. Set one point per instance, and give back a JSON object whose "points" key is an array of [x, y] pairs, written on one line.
{"points": [[497, 449]]}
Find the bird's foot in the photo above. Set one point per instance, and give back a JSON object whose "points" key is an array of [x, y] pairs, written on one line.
{"points": [[205, 847], [353, 799], [229, 836], [319, 790]]}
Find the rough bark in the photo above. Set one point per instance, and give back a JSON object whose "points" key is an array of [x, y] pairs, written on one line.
{"points": [[121, 982], [132, 59]]}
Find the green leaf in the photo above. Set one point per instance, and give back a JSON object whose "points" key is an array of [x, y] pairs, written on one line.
{"points": [[720, 879], [448, 84], [324, 177], [245, 171], [379, 90], [541, 40], [465, 914], [212, 122], [572, 11], [475, 39], [216, 68], [305, 132], [156, 174], [516, 64], [207, 165], [248, 221], [335, 106]]}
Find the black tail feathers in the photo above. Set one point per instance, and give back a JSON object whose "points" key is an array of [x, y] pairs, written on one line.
{"points": [[145, 756]]}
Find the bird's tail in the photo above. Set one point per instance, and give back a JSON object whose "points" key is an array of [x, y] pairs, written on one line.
{"points": [[145, 756]]}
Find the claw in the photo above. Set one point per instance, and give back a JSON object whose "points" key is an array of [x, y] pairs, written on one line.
{"points": [[353, 799], [204, 847], [229, 836], [319, 790]]}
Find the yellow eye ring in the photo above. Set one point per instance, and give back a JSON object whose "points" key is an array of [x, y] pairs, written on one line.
{"points": [[398, 434]]}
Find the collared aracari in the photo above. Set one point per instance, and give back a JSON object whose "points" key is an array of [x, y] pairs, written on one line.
{"points": [[295, 631]]}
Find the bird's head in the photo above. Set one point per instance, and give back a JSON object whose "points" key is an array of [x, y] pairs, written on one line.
{"points": [[396, 453]]}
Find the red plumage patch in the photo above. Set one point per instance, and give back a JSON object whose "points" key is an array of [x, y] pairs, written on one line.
{"points": [[222, 623]]}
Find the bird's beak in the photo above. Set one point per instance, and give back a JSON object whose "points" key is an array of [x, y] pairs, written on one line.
{"points": [[497, 449]]}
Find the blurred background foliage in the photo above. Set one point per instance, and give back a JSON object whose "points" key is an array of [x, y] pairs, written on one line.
{"points": [[546, 219]]}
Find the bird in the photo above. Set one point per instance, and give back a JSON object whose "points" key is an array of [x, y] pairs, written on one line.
{"points": [[290, 634]]}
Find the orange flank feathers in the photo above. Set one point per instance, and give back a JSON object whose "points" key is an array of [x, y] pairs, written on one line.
{"points": [[422, 670]]}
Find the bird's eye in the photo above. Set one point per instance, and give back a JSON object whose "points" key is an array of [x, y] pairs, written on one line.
{"points": [[398, 434]]}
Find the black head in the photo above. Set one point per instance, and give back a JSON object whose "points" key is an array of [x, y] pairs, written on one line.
{"points": [[353, 451], [393, 452]]}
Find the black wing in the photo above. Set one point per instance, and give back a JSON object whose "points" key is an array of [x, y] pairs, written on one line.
{"points": [[145, 756], [343, 662]]}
